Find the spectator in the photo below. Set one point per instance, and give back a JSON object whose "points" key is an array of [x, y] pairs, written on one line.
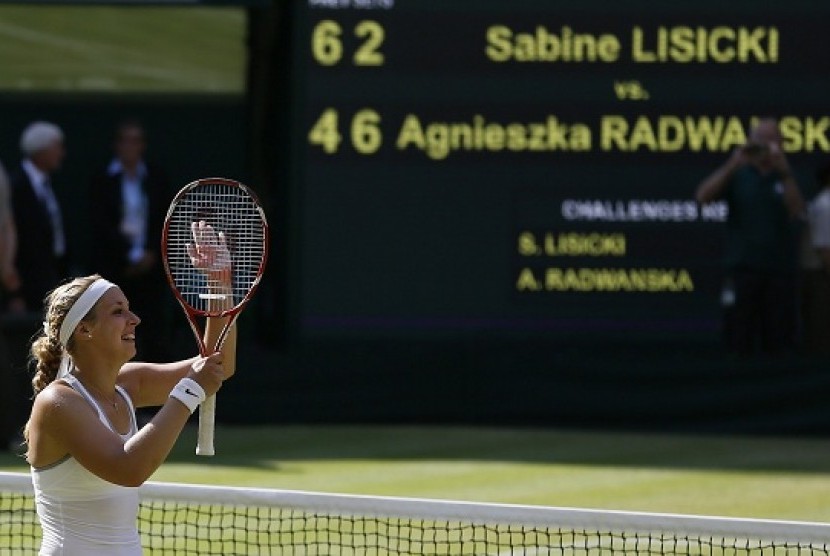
{"points": [[8, 244], [130, 197], [765, 206], [815, 262], [41, 251]]}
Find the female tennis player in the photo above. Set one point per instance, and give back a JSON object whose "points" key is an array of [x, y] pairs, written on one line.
{"points": [[85, 449]]}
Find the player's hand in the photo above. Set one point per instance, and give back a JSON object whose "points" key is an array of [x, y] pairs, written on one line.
{"points": [[741, 156], [209, 252], [208, 372]]}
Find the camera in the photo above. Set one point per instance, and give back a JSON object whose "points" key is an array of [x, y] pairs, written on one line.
{"points": [[755, 149]]}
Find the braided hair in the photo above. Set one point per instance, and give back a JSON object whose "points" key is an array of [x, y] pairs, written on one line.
{"points": [[47, 351]]}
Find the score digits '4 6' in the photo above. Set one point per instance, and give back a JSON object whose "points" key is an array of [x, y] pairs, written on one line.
{"points": [[364, 131]]}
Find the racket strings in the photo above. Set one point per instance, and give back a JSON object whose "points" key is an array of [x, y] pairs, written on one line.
{"points": [[233, 212]]}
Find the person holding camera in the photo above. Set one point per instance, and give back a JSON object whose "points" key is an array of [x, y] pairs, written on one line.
{"points": [[765, 210], [815, 269]]}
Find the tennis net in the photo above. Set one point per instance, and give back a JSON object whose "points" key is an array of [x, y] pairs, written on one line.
{"points": [[194, 519]]}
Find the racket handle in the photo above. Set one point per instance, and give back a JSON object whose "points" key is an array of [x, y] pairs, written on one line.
{"points": [[207, 414]]}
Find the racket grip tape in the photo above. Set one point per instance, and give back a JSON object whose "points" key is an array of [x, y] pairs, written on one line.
{"points": [[207, 416]]}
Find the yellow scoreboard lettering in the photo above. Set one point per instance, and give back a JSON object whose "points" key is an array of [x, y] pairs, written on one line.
{"points": [[365, 133], [668, 133], [326, 46], [646, 280], [721, 44], [527, 281], [327, 43], [503, 45], [324, 132], [527, 244], [368, 53]]}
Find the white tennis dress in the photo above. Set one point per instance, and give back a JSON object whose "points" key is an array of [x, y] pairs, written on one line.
{"points": [[80, 513]]}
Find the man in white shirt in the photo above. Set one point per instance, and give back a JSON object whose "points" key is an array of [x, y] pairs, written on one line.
{"points": [[129, 200], [815, 264]]}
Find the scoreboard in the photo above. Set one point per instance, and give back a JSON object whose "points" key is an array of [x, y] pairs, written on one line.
{"points": [[483, 165]]}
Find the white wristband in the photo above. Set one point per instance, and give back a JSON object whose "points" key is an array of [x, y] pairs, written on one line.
{"points": [[189, 393]]}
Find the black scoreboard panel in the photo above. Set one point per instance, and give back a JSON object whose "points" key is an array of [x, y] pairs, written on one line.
{"points": [[531, 165]]}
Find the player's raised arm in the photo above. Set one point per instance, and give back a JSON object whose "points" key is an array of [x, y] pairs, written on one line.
{"points": [[210, 254], [150, 383], [83, 423]]}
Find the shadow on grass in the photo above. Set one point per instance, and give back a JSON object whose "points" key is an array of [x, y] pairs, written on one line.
{"points": [[266, 447]]}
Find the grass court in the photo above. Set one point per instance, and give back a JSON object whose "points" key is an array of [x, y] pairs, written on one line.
{"points": [[776, 478]]}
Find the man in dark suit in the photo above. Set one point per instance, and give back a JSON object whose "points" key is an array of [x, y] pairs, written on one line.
{"points": [[41, 251], [39, 261], [128, 202]]}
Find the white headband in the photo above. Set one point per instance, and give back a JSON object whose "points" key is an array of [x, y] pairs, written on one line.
{"points": [[77, 312], [81, 307]]}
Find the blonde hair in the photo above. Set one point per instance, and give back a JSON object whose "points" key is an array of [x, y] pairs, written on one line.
{"points": [[47, 351]]}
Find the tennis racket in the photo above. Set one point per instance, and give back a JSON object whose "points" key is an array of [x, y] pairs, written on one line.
{"points": [[214, 245]]}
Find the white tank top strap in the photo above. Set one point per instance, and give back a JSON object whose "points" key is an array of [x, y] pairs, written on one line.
{"points": [[131, 407], [76, 385]]}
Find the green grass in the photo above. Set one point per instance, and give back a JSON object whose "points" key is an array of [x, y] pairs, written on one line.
{"points": [[735, 476], [121, 49]]}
